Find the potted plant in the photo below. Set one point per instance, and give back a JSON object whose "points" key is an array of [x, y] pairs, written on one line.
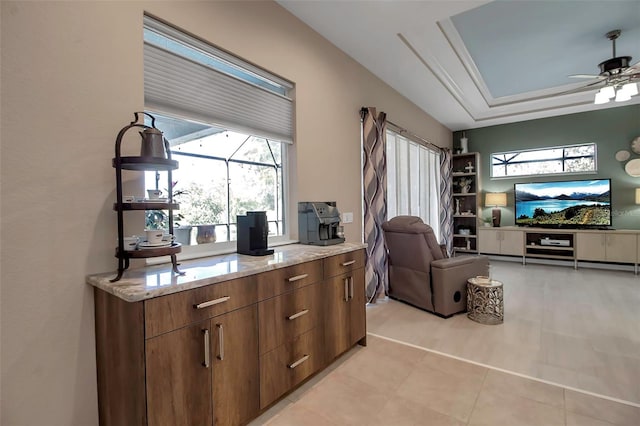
{"points": [[181, 231], [487, 220], [203, 210]]}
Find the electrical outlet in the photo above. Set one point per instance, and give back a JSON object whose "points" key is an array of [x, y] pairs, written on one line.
{"points": [[347, 217]]}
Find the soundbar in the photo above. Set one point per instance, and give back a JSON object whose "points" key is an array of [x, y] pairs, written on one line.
{"points": [[550, 242]]}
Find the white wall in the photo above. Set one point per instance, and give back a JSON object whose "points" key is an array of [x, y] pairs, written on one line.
{"points": [[71, 77]]}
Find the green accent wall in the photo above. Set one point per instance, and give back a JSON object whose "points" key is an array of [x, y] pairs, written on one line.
{"points": [[611, 129]]}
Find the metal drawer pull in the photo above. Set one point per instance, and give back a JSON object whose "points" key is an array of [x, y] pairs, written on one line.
{"points": [[298, 277], [211, 302], [351, 262], [207, 350], [220, 342], [299, 314], [298, 362], [346, 289], [350, 287]]}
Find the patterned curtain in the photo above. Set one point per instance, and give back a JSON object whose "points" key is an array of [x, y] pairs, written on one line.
{"points": [[446, 200], [374, 176]]}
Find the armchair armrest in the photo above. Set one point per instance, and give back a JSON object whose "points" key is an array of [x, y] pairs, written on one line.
{"points": [[449, 281], [457, 261]]}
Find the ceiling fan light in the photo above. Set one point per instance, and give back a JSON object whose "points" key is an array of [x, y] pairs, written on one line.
{"points": [[622, 95], [601, 98], [631, 88], [608, 91]]}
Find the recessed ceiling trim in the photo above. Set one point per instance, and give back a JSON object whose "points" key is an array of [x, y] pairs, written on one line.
{"points": [[452, 36], [451, 87], [454, 90], [458, 47]]}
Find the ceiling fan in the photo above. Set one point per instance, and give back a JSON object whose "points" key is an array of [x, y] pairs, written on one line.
{"points": [[619, 79]]}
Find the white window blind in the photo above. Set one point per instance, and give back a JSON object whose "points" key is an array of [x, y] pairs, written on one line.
{"points": [[186, 77]]}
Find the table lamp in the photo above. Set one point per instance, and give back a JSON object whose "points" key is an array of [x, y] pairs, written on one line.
{"points": [[496, 199], [637, 195]]}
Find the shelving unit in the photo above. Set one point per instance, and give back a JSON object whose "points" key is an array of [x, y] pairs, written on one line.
{"points": [[534, 247], [141, 163], [466, 187]]}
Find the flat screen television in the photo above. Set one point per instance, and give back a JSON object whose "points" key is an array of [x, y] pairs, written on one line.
{"points": [[564, 204]]}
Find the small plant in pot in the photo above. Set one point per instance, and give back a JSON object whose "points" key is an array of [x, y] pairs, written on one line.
{"points": [[487, 220], [181, 230]]}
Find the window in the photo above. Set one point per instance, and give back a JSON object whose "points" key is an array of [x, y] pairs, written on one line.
{"points": [[413, 180], [228, 124], [561, 159]]}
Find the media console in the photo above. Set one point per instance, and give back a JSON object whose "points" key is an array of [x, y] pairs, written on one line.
{"points": [[577, 245], [553, 245]]}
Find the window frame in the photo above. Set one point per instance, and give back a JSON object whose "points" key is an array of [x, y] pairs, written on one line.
{"points": [[279, 89], [563, 159]]}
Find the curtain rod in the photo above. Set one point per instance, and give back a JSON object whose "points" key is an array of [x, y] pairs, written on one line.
{"points": [[403, 130]]}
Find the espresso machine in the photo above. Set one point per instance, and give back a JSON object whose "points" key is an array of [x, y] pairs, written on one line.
{"points": [[253, 230], [319, 223]]}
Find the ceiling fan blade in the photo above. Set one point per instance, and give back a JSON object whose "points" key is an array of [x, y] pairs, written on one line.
{"points": [[593, 84], [635, 68], [585, 76], [582, 88]]}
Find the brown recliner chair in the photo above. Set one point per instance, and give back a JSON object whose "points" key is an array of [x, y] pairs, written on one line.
{"points": [[421, 274]]}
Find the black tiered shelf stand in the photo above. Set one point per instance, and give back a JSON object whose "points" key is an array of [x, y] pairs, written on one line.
{"points": [[143, 164]]}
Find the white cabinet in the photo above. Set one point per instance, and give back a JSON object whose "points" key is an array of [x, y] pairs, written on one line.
{"points": [[501, 241], [607, 247]]}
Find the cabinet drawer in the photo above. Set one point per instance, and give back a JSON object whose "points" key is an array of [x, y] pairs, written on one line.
{"points": [[279, 281], [166, 313], [285, 317], [341, 263], [283, 368]]}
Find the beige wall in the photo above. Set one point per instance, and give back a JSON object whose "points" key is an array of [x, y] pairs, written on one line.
{"points": [[71, 78]]}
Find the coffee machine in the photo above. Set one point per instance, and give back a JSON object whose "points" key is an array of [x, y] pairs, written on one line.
{"points": [[253, 230], [319, 223]]}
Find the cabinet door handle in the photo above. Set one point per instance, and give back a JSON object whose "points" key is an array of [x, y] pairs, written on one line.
{"points": [[350, 287], [220, 342], [207, 348], [211, 302], [350, 262], [298, 277], [298, 314], [298, 362], [346, 289]]}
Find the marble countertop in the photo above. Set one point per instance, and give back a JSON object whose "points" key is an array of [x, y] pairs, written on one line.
{"points": [[153, 281]]}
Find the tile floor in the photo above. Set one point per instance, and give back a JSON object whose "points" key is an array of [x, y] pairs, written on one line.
{"points": [[576, 334]]}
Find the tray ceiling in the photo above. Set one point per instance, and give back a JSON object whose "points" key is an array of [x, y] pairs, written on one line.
{"points": [[473, 64]]}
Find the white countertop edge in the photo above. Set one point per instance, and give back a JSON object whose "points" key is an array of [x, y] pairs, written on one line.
{"points": [[159, 280]]}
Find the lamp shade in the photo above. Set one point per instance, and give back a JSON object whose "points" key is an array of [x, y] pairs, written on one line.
{"points": [[498, 199], [637, 195]]}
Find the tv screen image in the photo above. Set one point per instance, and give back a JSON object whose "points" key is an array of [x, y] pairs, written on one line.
{"points": [[571, 204]]}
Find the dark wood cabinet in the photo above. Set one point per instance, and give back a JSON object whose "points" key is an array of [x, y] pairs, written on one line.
{"points": [[178, 381], [289, 364], [236, 375], [344, 312], [205, 371], [344, 303], [220, 354]]}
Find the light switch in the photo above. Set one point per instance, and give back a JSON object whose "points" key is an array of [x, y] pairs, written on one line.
{"points": [[347, 217]]}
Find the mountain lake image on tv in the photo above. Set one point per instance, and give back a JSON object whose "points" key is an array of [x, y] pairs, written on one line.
{"points": [[566, 204]]}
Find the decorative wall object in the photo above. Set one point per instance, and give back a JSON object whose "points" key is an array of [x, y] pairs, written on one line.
{"points": [[623, 155], [633, 166]]}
